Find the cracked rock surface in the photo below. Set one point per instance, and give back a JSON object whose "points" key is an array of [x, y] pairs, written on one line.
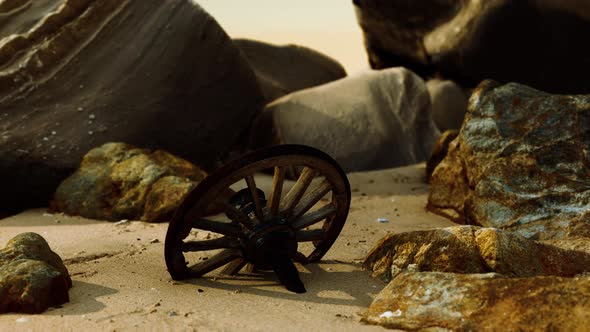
{"points": [[520, 162]]}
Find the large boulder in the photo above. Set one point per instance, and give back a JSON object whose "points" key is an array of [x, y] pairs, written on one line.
{"points": [[376, 119], [520, 163], [76, 74], [288, 68], [32, 277], [472, 40], [118, 181], [449, 104], [434, 300], [470, 249]]}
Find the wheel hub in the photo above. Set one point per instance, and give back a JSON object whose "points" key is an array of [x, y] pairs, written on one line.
{"points": [[272, 246]]}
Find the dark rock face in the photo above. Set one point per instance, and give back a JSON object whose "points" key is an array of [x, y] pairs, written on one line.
{"points": [[118, 181], [32, 277], [431, 300], [377, 119], [520, 163], [469, 249], [288, 68], [469, 41], [157, 74]]}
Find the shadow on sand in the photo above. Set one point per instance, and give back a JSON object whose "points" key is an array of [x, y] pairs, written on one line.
{"points": [[323, 284]]}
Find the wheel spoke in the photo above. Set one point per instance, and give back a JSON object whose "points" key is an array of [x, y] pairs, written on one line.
{"points": [[295, 194], [310, 235], [234, 267], [313, 217], [251, 183], [311, 198], [222, 242], [277, 187], [214, 262], [300, 257], [217, 227], [237, 215]]}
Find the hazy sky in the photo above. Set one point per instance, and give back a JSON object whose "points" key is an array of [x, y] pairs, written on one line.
{"points": [[328, 26]]}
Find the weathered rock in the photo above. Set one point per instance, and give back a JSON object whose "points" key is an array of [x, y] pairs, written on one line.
{"points": [[288, 68], [32, 277], [520, 162], [469, 41], [430, 300], [76, 74], [470, 249], [440, 151], [118, 181], [376, 119], [449, 104]]}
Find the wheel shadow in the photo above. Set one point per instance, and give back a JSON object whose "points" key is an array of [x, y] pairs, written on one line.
{"points": [[325, 285]]}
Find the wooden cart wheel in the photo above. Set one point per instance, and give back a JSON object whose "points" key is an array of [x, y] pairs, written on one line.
{"points": [[301, 222]]}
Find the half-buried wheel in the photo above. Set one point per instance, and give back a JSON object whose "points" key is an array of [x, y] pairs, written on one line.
{"points": [[290, 221]]}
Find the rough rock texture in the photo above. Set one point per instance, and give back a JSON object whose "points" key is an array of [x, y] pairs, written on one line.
{"points": [[470, 249], [377, 119], [472, 40], [288, 68], [440, 151], [520, 162], [75, 74], [476, 302], [449, 104], [32, 277], [118, 181]]}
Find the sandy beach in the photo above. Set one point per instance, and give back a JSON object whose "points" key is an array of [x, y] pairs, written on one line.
{"points": [[121, 282]]}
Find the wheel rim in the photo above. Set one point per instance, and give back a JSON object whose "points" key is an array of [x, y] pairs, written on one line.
{"points": [[313, 211]]}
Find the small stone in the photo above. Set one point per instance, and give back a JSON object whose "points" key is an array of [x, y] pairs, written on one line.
{"points": [[91, 116], [154, 241], [90, 132], [382, 220], [388, 314], [200, 290], [54, 133], [22, 320], [32, 276]]}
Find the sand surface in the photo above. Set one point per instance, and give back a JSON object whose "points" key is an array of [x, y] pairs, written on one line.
{"points": [[121, 281]]}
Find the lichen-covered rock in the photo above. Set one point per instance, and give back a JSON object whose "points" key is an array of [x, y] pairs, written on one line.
{"points": [[520, 163], [118, 181], [472, 40], [288, 68], [377, 119], [32, 277], [470, 249], [75, 74], [474, 302]]}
